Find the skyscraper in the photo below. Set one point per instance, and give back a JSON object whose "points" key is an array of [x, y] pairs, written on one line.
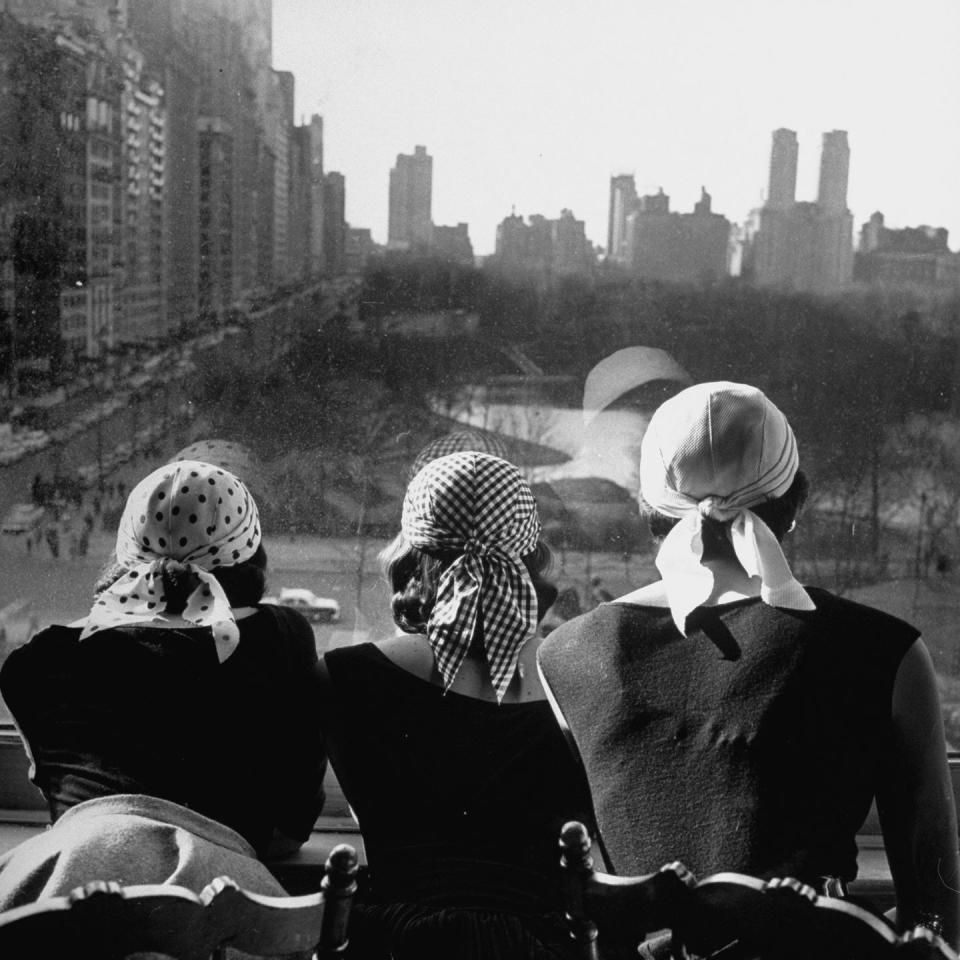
{"points": [[782, 186], [411, 189], [334, 221], [623, 201], [834, 171], [807, 246]]}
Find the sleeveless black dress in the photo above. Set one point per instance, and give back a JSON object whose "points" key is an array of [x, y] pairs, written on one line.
{"points": [[754, 744], [460, 802]]}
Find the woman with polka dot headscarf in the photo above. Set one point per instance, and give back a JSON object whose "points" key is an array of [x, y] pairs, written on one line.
{"points": [[171, 731]]}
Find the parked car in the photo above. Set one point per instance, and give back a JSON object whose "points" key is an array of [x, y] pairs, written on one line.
{"points": [[314, 608], [22, 518]]}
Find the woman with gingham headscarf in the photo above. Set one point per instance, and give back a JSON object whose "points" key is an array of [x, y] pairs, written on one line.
{"points": [[734, 719], [176, 722], [454, 707]]}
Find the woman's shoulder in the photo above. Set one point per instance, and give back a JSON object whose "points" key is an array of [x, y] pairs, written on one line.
{"points": [[52, 639], [861, 618], [359, 662], [49, 649]]}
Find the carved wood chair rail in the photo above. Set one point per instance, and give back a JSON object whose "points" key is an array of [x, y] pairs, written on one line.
{"points": [[726, 916], [107, 921]]}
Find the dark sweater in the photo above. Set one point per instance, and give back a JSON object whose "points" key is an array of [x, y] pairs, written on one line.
{"points": [[755, 744], [147, 710]]}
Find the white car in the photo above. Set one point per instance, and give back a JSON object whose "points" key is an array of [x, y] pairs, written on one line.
{"points": [[314, 608]]}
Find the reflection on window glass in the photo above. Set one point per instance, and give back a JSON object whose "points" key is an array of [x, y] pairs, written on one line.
{"points": [[179, 278]]}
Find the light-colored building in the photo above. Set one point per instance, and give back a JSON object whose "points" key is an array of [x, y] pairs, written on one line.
{"points": [[802, 245], [677, 247], [143, 252], [411, 192], [543, 248], [917, 259], [282, 122], [623, 202]]}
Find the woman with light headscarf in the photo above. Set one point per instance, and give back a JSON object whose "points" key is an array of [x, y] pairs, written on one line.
{"points": [[173, 730], [441, 739], [733, 719]]}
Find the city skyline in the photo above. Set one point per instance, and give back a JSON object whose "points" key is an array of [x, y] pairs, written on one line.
{"points": [[536, 107]]}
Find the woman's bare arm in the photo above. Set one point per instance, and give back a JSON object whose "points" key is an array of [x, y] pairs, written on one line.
{"points": [[916, 804]]}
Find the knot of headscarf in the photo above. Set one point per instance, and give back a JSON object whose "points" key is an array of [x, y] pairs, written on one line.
{"points": [[712, 452], [479, 508], [196, 514]]}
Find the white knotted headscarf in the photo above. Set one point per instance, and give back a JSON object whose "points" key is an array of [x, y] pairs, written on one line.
{"points": [[197, 514], [715, 450], [481, 508]]}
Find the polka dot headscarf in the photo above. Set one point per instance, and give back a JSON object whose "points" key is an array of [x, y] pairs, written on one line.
{"points": [[480, 507], [192, 512]]}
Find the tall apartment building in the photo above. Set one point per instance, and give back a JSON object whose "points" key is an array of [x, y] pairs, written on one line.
{"points": [[917, 259], [411, 190], [159, 160], [572, 252], [143, 254], [623, 202], [334, 222], [677, 247], [283, 122], [782, 182], [543, 248], [803, 245], [226, 143], [453, 244], [44, 223], [307, 190]]}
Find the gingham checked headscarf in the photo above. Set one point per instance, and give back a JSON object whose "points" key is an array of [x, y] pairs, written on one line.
{"points": [[458, 441], [480, 507], [715, 450], [192, 512]]}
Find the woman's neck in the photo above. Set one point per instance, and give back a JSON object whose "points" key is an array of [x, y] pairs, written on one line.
{"points": [[730, 583], [411, 652], [175, 621]]}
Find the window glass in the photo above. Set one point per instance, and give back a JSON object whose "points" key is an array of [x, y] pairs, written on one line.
{"points": [[322, 332]]}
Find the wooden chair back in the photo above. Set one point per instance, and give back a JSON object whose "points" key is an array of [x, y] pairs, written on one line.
{"points": [[726, 916], [104, 921]]}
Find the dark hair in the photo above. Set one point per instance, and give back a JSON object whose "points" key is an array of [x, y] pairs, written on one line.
{"points": [[778, 514], [243, 583], [413, 575]]}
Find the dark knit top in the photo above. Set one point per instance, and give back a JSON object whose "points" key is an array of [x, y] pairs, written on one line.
{"points": [[460, 801], [754, 744], [148, 710]]}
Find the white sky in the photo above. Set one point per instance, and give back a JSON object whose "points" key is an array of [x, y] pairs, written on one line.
{"points": [[535, 103]]}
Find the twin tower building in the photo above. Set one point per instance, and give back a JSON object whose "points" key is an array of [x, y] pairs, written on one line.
{"points": [[800, 245], [806, 245]]}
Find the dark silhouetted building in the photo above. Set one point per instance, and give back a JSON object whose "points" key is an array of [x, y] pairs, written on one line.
{"points": [[334, 222], [359, 248], [453, 244]]}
